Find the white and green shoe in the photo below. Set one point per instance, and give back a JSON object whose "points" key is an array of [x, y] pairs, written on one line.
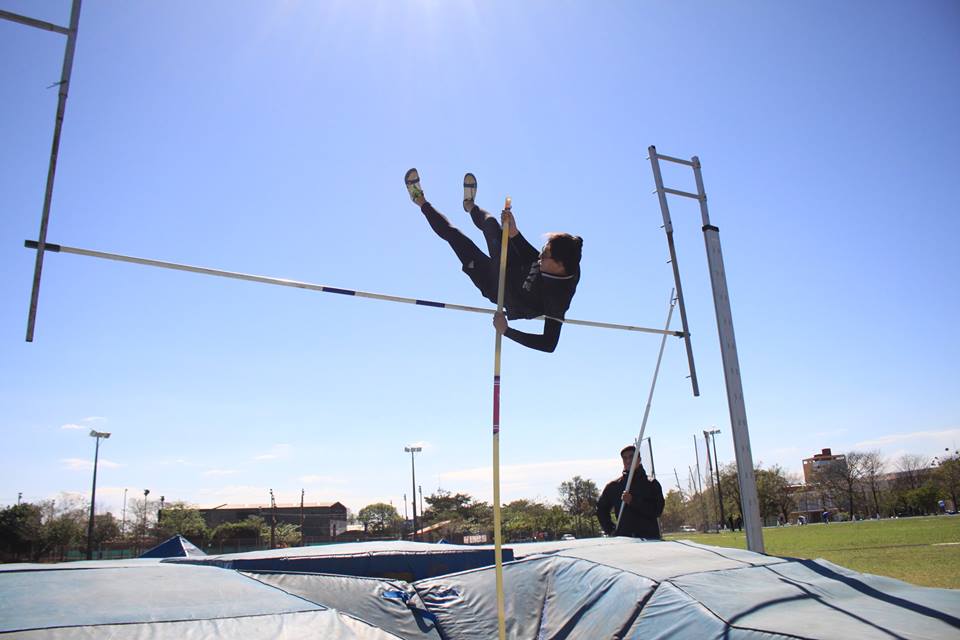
{"points": [[412, 178], [469, 191]]}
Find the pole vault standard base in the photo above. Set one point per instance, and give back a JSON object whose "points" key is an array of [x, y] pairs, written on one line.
{"points": [[297, 284]]}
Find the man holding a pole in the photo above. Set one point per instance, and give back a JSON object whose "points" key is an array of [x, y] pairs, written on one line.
{"points": [[639, 505]]}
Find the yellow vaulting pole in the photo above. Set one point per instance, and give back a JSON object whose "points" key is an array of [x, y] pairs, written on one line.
{"points": [[497, 541]]}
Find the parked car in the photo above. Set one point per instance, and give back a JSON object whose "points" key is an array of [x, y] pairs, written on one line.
{"points": [[568, 536], [688, 529]]}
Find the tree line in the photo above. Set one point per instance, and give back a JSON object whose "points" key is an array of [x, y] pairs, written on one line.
{"points": [[866, 485], [58, 529], [863, 485]]}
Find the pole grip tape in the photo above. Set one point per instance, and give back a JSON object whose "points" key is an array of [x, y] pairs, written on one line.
{"points": [[49, 246]]}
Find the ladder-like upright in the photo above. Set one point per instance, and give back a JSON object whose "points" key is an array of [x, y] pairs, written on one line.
{"points": [[750, 505]]}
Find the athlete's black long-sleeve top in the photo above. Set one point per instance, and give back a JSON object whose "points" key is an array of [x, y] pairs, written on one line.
{"points": [[531, 293]]}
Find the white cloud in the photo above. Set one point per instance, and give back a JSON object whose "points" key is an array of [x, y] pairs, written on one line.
{"points": [[72, 426], [94, 419], [939, 438], [276, 452], [219, 472], [314, 479], [80, 464]]}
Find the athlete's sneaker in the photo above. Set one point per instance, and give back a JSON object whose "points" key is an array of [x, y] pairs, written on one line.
{"points": [[469, 191], [412, 178]]}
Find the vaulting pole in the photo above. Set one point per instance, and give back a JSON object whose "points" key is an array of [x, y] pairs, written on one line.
{"points": [[497, 538], [646, 412]]}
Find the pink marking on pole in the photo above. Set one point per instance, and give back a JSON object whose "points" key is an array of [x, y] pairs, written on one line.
{"points": [[496, 404]]}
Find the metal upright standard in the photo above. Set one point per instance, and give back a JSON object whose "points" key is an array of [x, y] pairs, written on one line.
{"points": [[64, 84], [497, 538], [728, 345]]}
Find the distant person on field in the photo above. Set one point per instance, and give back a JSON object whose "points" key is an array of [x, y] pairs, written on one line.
{"points": [[538, 283], [643, 502]]}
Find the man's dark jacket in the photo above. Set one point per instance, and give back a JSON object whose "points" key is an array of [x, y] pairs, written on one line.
{"points": [[640, 516]]}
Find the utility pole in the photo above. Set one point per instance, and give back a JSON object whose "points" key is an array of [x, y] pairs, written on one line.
{"points": [[93, 492], [143, 533], [123, 522], [413, 496], [703, 505], [706, 440], [273, 521], [160, 517], [302, 539], [716, 466]]}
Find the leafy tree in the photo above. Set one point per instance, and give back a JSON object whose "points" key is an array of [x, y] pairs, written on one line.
{"points": [[179, 518], [912, 468], [674, 512], [20, 531], [579, 498], [286, 534], [843, 482], [444, 505], [105, 529], [872, 468], [233, 532], [461, 513], [65, 530], [379, 518], [947, 477]]}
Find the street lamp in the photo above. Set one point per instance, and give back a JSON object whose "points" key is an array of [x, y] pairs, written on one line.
{"points": [[413, 476], [93, 492], [712, 434], [143, 533]]}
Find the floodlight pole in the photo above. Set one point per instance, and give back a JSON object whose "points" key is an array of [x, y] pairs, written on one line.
{"points": [[93, 491], [716, 468], [413, 495], [143, 533], [728, 344]]}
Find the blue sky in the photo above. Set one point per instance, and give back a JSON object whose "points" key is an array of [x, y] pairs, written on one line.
{"points": [[272, 138]]}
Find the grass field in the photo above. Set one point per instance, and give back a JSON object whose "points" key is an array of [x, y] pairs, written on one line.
{"points": [[924, 551]]}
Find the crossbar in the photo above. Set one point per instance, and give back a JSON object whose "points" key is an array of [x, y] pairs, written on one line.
{"points": [[672, 159], [297, 284], [685, 194], [33, 22]]}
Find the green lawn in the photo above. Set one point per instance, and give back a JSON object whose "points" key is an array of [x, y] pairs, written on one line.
{"points": [[924, 551]]}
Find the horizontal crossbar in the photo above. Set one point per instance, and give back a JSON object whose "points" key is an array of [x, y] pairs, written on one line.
{"points": [[32, 22], [672, 159], [59, 248], [685, 194]]}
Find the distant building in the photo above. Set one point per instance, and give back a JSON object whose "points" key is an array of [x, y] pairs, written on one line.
{"points": [[322, 522], [821, 462]]}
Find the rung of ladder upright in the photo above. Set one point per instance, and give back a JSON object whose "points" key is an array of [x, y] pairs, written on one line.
{"points": [[685, 194], [672, 159]]}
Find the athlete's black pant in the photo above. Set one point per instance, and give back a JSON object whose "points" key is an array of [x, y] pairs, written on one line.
{"points": [[483, 269]]}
